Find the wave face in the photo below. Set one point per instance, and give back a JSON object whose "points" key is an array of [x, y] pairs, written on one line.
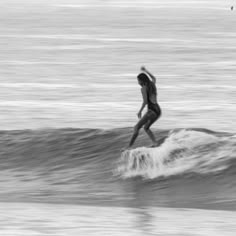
{"points": [[190, 167]]}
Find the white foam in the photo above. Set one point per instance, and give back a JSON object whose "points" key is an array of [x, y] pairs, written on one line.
{"points": [[183, 151]]}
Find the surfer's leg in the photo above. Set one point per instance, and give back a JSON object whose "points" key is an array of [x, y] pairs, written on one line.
{"points": [[137, 127], [151, 136], [152, 118]]}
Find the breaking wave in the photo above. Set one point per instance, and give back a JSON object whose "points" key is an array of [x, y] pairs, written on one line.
{"points": [[190, 166], [184, 151]]}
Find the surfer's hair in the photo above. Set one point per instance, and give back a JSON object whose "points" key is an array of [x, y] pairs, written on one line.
{"points": [[144, 80]]}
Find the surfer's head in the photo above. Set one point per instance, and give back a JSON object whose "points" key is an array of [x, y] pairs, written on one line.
{"points": [[143, 79]]}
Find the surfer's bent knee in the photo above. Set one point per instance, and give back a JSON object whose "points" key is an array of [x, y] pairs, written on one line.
{"points": [[146, 128]]}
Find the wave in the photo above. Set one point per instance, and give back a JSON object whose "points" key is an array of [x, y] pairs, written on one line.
{"points": [[179, 151], [87, 165]]}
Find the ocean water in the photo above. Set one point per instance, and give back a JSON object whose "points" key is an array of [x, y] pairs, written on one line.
{"points": [[61, 220], [65, 62], [77, 181], [68, 101]]}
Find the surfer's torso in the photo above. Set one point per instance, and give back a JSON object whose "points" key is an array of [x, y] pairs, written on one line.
{"points": [[152, 103]]}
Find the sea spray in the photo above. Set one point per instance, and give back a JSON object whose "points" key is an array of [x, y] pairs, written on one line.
{"points": [[183, 151]]}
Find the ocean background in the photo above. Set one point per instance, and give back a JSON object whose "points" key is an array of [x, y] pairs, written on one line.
{"points": [[68, 102]]}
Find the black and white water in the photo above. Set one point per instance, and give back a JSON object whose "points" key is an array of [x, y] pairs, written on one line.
{"points": [[69, 98], [76, 181]]}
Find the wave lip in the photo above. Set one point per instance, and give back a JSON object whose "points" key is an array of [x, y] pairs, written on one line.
{"points": [[184, 151]]}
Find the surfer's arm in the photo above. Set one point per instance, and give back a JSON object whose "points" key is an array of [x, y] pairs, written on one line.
{"points": [[142, 107], [149, 74], [144, 94], [152, 77]]}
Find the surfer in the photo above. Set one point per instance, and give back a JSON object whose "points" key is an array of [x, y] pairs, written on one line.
{"points": [[149, 94]]}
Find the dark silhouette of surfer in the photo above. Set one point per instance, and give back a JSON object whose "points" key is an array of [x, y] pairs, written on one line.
{"points": [[149, 94], [232, 8]]}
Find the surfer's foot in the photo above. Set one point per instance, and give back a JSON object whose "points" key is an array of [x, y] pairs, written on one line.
{"points": [[155, 144], [125, 149]]}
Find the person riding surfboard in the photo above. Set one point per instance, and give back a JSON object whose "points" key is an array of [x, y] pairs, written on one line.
{"points": [[149, 94]]}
